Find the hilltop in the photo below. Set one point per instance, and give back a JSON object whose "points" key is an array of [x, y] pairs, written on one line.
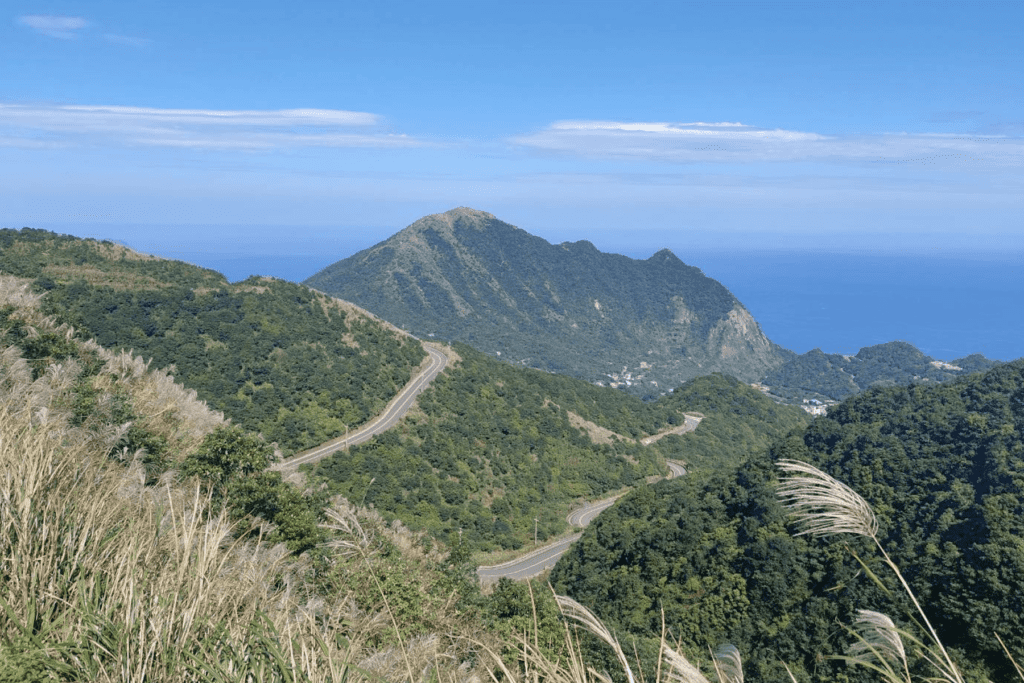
{"points": [[829, 377], [644, 325]]}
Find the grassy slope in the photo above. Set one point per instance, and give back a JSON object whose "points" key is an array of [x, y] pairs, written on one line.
{"points": [[104, 578]]}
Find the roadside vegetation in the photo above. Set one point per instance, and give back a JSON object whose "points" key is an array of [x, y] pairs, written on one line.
{"points": [[875, 647], [142, 537]]}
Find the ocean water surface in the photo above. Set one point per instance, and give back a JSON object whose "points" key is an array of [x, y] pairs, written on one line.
{"points": [[947, 306]]}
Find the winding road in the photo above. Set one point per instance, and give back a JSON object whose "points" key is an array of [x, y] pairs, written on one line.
{"points": [[542, 559], [531, 564], [394, 412]]}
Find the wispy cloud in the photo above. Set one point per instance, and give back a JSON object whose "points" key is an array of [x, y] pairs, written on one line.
{"points": [[54, 26], [195, 128], [692, 143]]}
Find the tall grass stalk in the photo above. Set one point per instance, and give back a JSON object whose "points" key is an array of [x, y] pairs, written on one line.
{"points": [[823, 506]]}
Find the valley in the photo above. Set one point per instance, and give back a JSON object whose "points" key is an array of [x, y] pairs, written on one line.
{"points": [[310, 416]]}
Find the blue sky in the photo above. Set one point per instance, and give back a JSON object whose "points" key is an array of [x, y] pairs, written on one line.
{"points": [[320, 128]]}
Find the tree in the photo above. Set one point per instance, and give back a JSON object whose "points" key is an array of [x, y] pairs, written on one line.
{"points": [[226, 453]]}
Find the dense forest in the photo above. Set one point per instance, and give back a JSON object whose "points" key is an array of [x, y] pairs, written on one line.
{"points": [[941, 465], [494, 446], [275, 357]]}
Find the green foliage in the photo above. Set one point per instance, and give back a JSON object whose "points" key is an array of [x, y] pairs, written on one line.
{"points": [[492, 438], [943, 468], [234, 464], [495, 448], [227, 453], [738, 420], [525, 610], [275, 357]]}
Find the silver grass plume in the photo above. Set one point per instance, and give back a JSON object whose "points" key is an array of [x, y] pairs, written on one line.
{"points": [[728, 664], [680, 670], [822, 505], [350, 537], [574, 610], [878, 641]]}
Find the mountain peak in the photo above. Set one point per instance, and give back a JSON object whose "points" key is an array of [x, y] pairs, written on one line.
{"points": [[665, 255], [464, 211], [464, 274], [450, 217]]}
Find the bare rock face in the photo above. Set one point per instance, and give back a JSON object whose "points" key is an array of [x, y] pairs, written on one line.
{"points": [[646, 325]]}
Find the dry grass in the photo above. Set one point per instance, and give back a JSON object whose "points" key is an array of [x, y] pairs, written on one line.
{"points": [[118, 280], [105, 579]]}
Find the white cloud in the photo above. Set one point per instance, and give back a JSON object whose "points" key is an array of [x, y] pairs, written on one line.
{"points": [[691, 143], [195, 128], [54, 26]]}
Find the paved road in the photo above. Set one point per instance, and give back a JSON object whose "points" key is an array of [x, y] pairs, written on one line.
{"points": [[545, 558], [528, 565], [677, 469], [588, 513], [394, 412], [690, 423]]}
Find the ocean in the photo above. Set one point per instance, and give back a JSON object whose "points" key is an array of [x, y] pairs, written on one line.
{"points": [[947, 307]]}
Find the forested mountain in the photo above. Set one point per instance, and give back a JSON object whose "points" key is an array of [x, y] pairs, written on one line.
{"points": [[941, 465], [646, 326], [824, 376], [274, 356], [493, 446]]}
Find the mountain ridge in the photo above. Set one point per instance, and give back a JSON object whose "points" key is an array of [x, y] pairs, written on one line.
{"points": [[645, 324], [833, 377]]}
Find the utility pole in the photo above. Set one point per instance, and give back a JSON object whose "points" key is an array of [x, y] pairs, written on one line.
{"points": [[535, 531]]}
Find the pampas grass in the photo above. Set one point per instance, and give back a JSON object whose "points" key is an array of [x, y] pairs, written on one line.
{"points": [[103, 578], [822, 506]]}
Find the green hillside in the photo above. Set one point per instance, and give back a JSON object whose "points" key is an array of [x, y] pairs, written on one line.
{"points": [[941, 465], [641, 325], [493, 446], [275, 357]]}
